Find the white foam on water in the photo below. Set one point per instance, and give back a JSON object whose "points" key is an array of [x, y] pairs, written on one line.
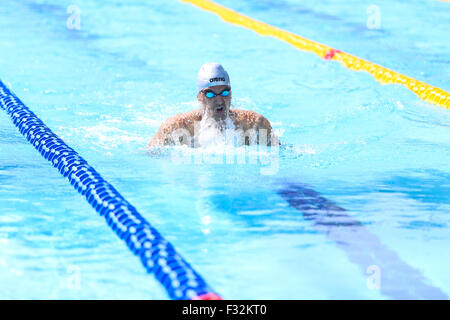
{"points": [[213, 133]]}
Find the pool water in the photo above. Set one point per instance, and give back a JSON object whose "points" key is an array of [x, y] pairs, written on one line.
{"points": [[377, 152]]}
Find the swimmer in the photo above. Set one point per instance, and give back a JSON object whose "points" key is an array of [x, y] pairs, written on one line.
{"points": [[214, 97]]}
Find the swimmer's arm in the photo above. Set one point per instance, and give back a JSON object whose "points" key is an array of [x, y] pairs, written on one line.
{"points": [[163, 135], [263, 123]]}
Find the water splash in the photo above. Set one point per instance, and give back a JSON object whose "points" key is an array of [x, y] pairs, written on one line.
{"points": [[214, 133]]}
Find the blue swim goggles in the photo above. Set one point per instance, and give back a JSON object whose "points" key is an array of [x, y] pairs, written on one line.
{"points": [[211, 94]]}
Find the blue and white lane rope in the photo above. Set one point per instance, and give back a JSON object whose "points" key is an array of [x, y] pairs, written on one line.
{"points": [[156, 253]]}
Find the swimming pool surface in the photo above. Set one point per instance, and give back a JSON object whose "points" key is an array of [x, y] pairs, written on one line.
{"points": [[378, 153]]}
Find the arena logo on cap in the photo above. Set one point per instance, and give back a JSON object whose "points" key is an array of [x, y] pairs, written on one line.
{"points": [[217, 79]]}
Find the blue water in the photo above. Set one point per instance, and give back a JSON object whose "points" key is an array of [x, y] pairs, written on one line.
{"points": [[377, 151]]}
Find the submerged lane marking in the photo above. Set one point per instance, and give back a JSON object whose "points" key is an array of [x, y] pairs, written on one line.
{"points": [[398, 279], [383, 75]]}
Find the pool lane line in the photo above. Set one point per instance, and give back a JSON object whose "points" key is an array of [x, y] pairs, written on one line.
{"points": [[157, 255], [398, 279], [424, 91]]}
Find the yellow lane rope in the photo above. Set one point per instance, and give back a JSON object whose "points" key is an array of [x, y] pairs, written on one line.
{"points": [[383, 75]]}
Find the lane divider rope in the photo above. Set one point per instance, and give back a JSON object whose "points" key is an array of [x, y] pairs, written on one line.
{"points": [[424, 91], [157, 255]]}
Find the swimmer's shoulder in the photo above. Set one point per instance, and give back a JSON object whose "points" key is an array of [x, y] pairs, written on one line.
{"points": [[249, 119], [191, 116], [185, 120], [181, 120]]}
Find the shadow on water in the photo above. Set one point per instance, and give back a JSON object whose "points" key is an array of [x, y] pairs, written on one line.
{"points": [[430, 189], [259, 213], [363, 248], [428, 186]]}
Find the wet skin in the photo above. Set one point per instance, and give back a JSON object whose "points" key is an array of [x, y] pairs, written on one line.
{"points": [[216, 108]]}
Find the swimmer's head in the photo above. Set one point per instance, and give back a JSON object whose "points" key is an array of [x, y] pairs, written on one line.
{"points": [[214, 90], [212, 74]]}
